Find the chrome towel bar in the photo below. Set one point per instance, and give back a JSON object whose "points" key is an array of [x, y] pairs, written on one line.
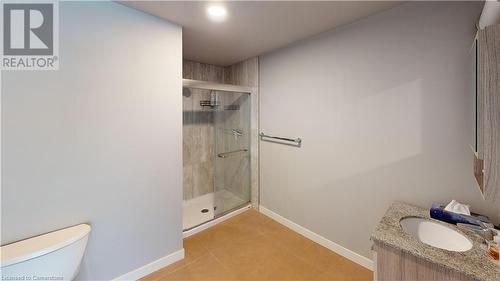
{"points": [[225, 154], [297, 141]]}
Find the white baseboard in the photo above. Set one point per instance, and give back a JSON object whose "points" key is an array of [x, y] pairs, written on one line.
{"points": [[357, 258], [211, 223], [151, 267]]}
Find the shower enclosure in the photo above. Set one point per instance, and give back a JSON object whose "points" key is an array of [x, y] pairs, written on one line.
{"points": [[216, 158]]}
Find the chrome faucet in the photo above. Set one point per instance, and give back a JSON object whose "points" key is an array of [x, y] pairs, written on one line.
{"points": [[485, 230]]}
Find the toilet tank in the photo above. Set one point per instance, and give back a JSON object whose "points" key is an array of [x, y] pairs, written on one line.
{"points": [[53, 256]]}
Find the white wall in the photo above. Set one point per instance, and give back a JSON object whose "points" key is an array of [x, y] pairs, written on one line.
{"points": [[98, 141], [382, 106]]}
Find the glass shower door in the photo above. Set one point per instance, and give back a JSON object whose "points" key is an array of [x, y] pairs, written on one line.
{"points": [[232, 151]]}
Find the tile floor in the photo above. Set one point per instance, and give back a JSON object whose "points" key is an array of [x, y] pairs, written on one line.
{"points": [[251, 246]]}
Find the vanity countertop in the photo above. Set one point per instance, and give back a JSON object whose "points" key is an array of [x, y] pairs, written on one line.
{"points": [[474, 263]]}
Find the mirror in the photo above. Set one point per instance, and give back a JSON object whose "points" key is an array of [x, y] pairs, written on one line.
{"points": [[486, 120], [474, 90]]}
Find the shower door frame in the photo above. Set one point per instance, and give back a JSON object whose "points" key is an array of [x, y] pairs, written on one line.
{"points": [[198, 84]]}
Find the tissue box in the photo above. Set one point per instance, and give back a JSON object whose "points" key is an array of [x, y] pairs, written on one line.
{"points": [[439, 213]]}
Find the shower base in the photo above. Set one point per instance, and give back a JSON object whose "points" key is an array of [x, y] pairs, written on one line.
{"points": [[201, 209]]}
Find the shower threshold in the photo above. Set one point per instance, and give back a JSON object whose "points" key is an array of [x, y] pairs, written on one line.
{"points": [[198, 213]]}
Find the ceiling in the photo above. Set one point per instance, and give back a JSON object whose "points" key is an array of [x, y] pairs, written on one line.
{"points": [[254, 27]]}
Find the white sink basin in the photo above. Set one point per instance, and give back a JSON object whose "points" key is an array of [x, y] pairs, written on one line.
{"points": [[435, 234]]}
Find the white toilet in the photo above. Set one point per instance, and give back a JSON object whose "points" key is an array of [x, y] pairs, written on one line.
{"points": [[53, 256]]}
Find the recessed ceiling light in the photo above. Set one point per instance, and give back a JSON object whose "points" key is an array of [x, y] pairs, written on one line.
{"points": [[217, 12]]}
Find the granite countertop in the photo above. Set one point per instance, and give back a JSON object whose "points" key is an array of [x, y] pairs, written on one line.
{"points": [[474, 263]]}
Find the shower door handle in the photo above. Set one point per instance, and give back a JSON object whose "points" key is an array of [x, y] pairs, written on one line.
{"points": [[297, 141], [225, 154]]}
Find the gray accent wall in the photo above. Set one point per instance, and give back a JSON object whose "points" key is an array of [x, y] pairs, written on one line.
{"points": [[99, 140], [383, 109]]}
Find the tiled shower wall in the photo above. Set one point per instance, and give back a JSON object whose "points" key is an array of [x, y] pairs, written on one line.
{"points": [[233, 171], [198, 144], [246, 73], [198, 127], [198, 131]]}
